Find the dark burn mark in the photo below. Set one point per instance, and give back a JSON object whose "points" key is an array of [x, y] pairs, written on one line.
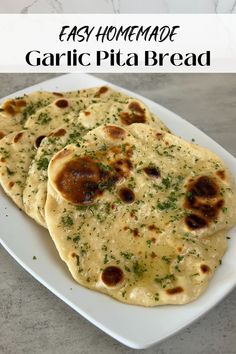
{"points": [[11, 184], [205, 268], [13, 107], [17, 137], [205, 187], [59, 94], [153, 228], [201, 197], [62, 103], [87, 113], [135, 232], [221, 174], [39, 140], [152, 171], [83, 179], [20, 103], [80, 179], [153, 255], [2, 135], [195, 222], [115, 132], [101, 91], [132, 214], [111, 276], [126, 195], [174, 291], [58, 133], [122, 167], [159, 136], [137, 114], [220, 204], [135, 107]]}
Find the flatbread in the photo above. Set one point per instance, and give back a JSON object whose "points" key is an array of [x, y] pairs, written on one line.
{"points": [[122, 111], [17, 149], [15, 112], [139, 214]]}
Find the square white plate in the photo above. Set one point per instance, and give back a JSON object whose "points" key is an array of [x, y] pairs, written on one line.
{"points": [[134, 326]]}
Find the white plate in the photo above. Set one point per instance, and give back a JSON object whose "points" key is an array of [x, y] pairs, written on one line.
{"points": [[134, 326]]}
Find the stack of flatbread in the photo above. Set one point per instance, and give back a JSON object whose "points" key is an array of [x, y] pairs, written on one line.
{"points": [[134, 211]]}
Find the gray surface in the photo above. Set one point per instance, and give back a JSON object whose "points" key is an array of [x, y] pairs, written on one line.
{"points": [[34, 321]]}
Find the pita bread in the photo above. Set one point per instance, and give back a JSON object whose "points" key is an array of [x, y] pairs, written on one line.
{"points": [[139, 214]]}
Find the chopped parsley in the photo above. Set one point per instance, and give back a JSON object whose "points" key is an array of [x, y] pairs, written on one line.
{"points": [[42, 164], [67, 220], [44, 118], [164, 281], [9, 172], [126, 255], [139, 269]]}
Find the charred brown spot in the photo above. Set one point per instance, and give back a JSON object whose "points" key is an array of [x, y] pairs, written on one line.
{"points": [[101, 91], [11, 184], [126, 195], [115, 132], [205, 268], [219, 204], [179, 249], [62, 103], [221, 174], [2, 135], [8, 107], [208, 211], [17, 137], [122, 168], [124, 150], [204, 187], [153, 255], [174, 291], [135, 232], [87, 113], [112, 276], [59, 94], [152, 171], [195, 222], [201, 197], [81, 180], [20, 103], [3, 159], [137, 114], [126, 228], [135, 107], [159, 136], [13, 107], [152, 227], [130, 118], [58, 133], [39, 140]]}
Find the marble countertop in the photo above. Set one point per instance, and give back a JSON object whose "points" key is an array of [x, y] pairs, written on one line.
{"points": [[118, 6], [33, 320]]}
